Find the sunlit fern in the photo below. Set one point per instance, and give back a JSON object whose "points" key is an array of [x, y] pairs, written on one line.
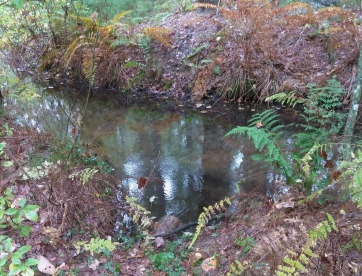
{"points": [[289, 98], [265, 130], [206, 216]]}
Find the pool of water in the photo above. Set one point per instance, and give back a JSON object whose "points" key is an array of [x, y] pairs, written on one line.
{"points": [[174, 159]]}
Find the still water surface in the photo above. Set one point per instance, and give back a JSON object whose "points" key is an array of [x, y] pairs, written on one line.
{"points": [[182, 151]]}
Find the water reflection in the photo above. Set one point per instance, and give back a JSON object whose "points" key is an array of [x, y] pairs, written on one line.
{"points": [[185, 156], [187, 159]]}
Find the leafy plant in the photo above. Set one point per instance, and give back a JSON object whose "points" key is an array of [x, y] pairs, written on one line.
{"points": [[84, 175], [116, 269], [206, 216], [5, 163], [140, 216], [96, 245], [11, 259], [236, 269], [245, 244], [12, 214], [168, 260]]}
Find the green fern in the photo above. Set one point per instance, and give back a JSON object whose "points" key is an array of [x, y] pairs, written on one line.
{"points": [[140, 216], [298, 261], [84, 175], [286, 98], [205, 216], [354, 170], [236, 269], [96, 245], [265, 130], [320, 107]]}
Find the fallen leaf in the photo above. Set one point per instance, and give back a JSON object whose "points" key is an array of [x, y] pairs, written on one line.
{"points": [[329, 164], [286, 204], [335, 175], [159, 241], [94, 265], [259, 124], [323, 154], [209, 264], [45, 266], [142, 182]]}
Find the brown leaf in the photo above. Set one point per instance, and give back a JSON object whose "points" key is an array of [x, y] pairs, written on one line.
{"points": [[323, 154], [142, 182], [286, 204], [335, 175], [329, 164], [209, 264]]}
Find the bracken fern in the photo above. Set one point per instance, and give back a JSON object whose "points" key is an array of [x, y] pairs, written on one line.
{"points": [[265, 130], [297, 263], [206, 216]]}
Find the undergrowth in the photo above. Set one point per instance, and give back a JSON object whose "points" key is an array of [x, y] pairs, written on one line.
{"points": [[323, 122]]}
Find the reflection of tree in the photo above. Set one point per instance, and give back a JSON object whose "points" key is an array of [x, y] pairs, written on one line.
{"points": [[217, 157], [192, 164]]}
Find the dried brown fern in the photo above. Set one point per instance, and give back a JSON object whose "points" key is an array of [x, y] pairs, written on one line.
{"points": [[90, 63], [160, 34]]}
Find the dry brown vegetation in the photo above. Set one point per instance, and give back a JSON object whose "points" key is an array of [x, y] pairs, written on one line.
{"points": [[245, 50]]}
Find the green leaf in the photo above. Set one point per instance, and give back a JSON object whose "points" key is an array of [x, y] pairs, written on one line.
{"points": [[31, 207], [27, 271], [7, 163], [31, 215], [25, 231], [15, 260], [11, 211], [22, 202], [31, 262], [217, 70], [3, 261], [14, 269], [24, 249]]}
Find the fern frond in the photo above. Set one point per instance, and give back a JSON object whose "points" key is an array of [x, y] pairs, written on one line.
{"points": [[140, 216], [286, 98], [73, 47], [96, 245], [298, 8], [117, 17], [160, 34], [266, 137], [88, 24], [354, 169], [297, 262], [89, 66], [205, 217]]}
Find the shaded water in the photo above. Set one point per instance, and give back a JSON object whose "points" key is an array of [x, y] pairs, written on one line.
{"points": [[184, 155], [182, 151]]}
